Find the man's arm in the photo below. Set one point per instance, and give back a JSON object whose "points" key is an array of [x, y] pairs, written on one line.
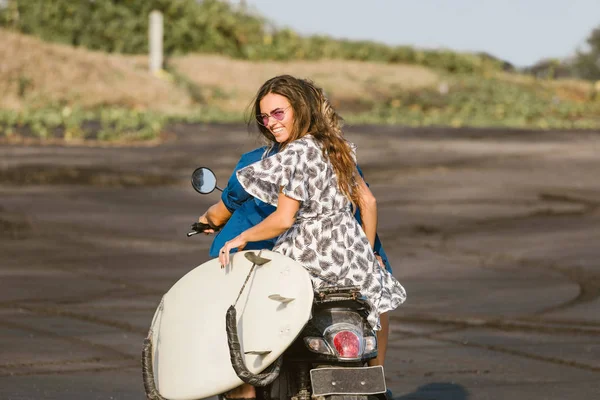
{"points": [[368, 211], [216, 216], [233, 195]]}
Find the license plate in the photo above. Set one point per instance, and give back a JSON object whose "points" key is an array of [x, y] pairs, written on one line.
{"points": [[362, 380]]}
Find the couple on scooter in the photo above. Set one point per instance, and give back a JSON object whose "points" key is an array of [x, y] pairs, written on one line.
{"points": [[298, 196]]}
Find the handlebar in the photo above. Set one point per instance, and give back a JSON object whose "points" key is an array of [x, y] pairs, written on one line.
{"points": [[199, 227]]}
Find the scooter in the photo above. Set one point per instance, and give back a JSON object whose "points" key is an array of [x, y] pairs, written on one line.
{"points": [[328, 359]]}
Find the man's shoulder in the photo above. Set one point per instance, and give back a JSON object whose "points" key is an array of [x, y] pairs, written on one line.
{"points": [[253, 153], [252, 156]]}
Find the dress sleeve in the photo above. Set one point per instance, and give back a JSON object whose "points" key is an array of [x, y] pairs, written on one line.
{"points": [[264, 178]]}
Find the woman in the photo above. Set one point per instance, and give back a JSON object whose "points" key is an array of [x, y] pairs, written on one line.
{"points": [[238, 210], [314, 183]]}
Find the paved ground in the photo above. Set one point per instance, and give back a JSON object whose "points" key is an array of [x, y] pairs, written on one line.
{"points": [[495, 235]]}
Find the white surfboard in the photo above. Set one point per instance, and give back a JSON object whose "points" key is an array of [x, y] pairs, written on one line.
{"points": [[190, 355]]}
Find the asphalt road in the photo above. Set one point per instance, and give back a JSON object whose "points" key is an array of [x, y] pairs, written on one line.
{"points": [[495, 235]]}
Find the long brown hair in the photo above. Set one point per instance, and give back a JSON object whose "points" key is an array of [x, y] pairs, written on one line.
{"points": [[314, 114]]}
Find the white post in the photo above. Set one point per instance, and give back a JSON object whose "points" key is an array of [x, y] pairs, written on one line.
{"points": [[155, 35]]}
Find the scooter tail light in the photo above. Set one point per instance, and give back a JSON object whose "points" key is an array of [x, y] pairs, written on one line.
{"points": [[347, 344], [317, 345]]}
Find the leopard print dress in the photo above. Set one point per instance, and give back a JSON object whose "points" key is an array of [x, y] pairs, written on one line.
{"points": [[325, 238]]}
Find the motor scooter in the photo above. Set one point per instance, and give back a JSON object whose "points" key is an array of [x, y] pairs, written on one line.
{"points": [[327, 360]]}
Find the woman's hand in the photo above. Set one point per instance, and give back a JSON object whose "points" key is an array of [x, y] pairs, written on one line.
{"points": [[237, 242], [380, 261]]}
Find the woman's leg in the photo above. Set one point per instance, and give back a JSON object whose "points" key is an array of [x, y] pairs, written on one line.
{"points": [[245, 391], [382, 340]]}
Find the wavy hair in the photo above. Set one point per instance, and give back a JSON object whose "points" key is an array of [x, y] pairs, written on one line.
{"points": [[314, 115]]}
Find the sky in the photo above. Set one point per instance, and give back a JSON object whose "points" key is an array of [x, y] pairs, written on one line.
{"points": [[521, 32]]}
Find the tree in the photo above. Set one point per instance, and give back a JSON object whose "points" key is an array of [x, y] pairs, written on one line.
{"points": [[587, 64]]}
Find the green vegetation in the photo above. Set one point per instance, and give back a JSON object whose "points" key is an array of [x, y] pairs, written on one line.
{"points": [[587, 64], [474, 101], [108, 124]]}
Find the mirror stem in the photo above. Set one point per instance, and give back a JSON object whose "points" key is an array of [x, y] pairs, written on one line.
{"points": [[218, 188]]}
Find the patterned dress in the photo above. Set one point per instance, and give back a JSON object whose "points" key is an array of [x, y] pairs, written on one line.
{"points": [[325, 238]]}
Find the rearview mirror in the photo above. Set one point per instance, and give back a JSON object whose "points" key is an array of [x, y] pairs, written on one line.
{"points": [[204, 181]]}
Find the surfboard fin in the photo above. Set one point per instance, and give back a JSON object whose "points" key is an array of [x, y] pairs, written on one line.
{"points": [[280, 298], [255, 259], [258, 352]]}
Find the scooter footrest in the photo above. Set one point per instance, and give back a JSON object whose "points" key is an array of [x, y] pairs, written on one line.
{"points": [[350, 381]]}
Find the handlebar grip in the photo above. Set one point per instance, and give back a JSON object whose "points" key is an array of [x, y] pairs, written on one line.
{"points": [[200, 227]]}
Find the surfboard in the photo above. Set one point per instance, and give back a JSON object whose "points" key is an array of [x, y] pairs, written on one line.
{"points": [[190, 355]]}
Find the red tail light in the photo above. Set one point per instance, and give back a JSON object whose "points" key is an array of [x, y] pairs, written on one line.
{"points": [[347, 344]]}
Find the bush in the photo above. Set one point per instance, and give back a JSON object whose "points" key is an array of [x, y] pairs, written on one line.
{"points": [[587, 64], [76, 124], [476, 101]]}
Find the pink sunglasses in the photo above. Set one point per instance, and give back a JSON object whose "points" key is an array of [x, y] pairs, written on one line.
{"points": [[278, 114]]}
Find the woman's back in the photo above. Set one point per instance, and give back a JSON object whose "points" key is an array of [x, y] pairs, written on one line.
{"points": [[325, 238]]}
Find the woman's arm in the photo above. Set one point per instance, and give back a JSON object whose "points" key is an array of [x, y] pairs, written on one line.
{"points": [[272, 226], [368, 211], [216, 216]]}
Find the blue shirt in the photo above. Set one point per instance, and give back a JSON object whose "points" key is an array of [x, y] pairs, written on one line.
{"points": [[247, 211]]}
